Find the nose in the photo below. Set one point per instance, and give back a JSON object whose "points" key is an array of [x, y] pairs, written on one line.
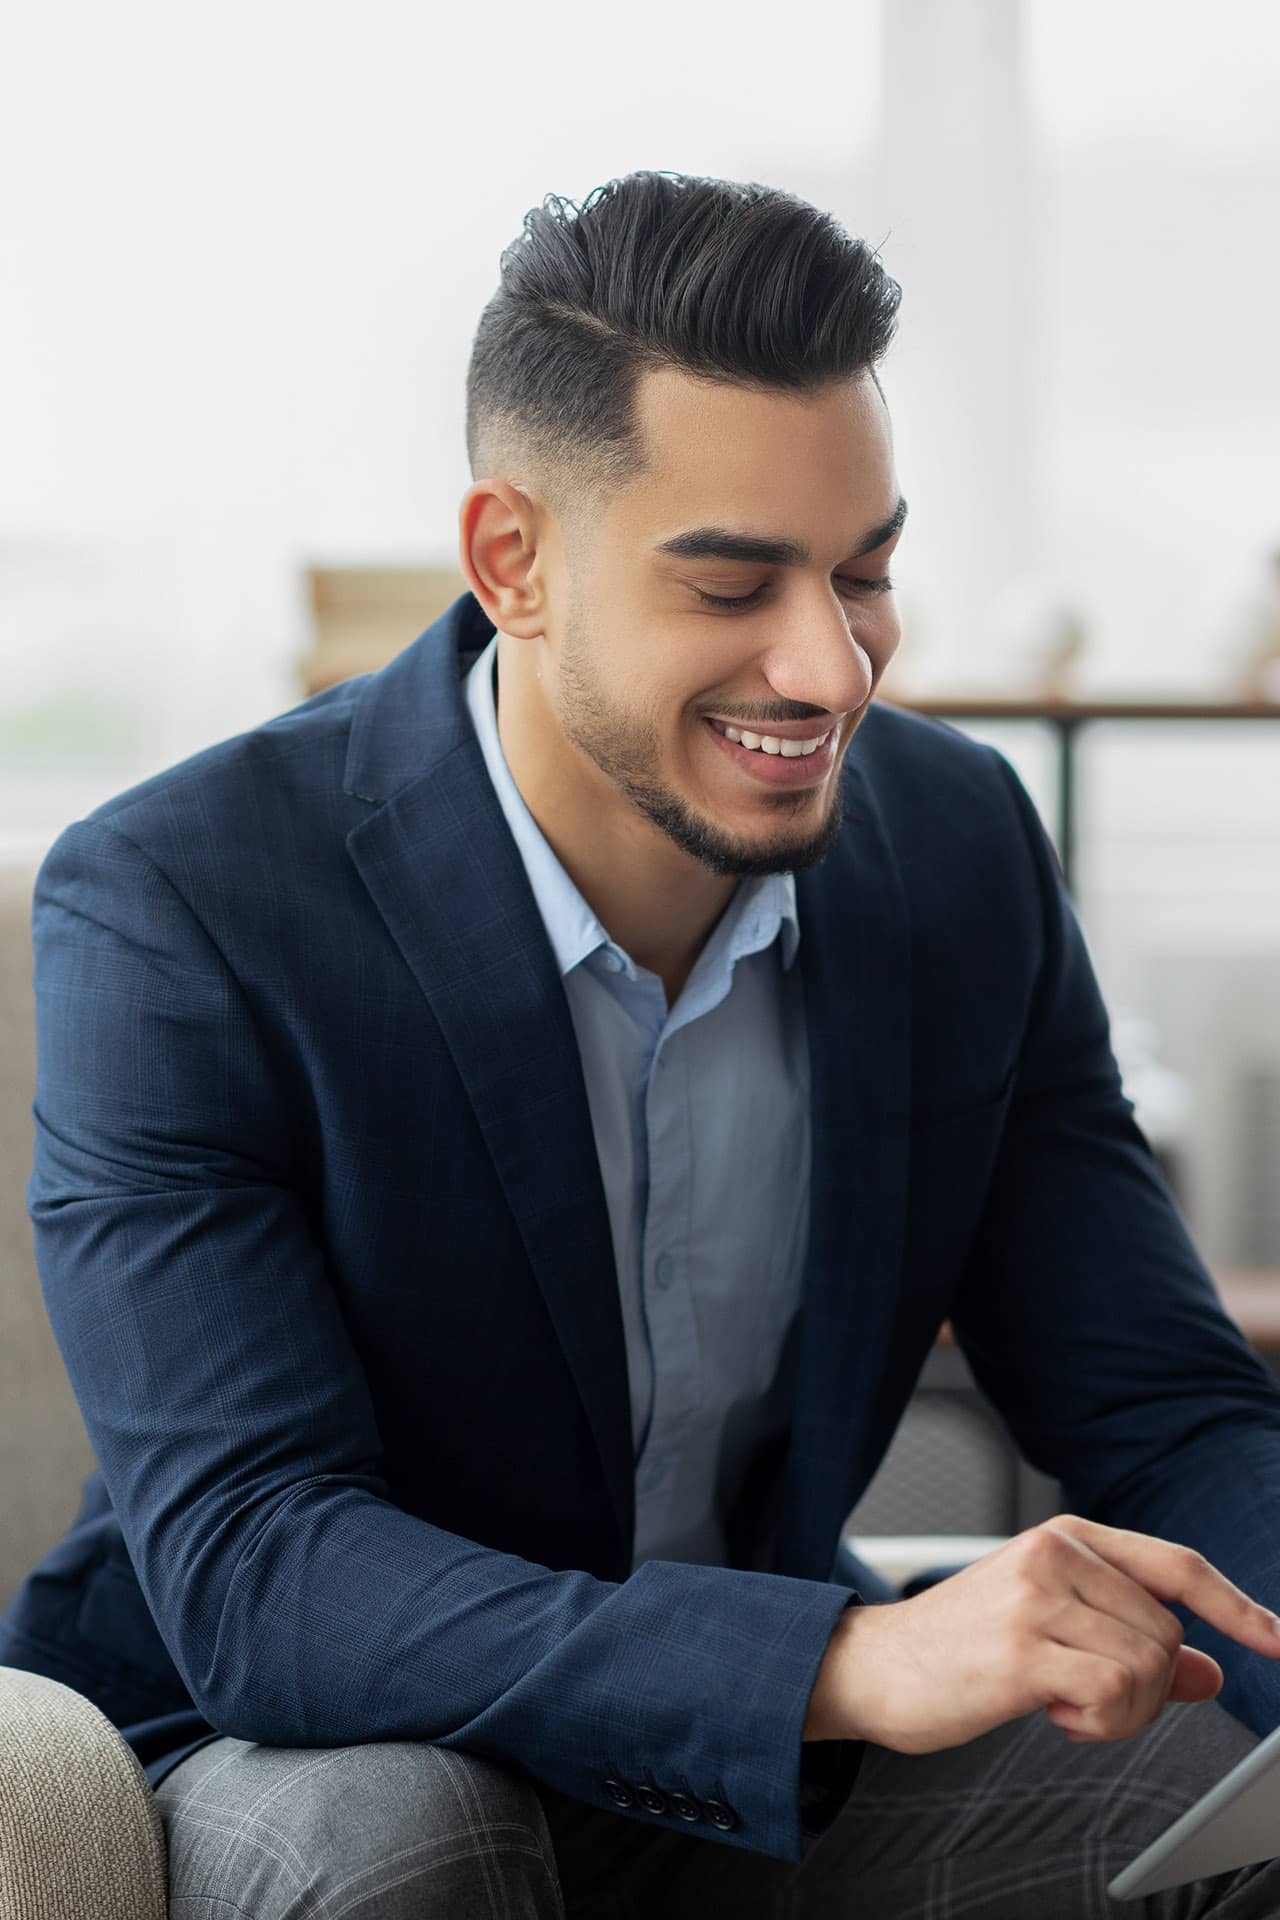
{"points": [[819, 662]]}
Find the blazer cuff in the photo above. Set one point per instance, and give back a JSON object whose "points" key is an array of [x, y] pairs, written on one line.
{"points": [[828, 1769]]}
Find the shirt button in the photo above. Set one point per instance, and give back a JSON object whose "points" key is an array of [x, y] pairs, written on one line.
{"points": [[664, 1270], [612, 960]]}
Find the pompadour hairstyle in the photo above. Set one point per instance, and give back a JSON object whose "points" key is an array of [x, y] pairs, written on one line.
{"points": [[723, 279]]}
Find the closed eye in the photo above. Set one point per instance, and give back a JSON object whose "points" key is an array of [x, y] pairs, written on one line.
{"points": [[883, 585]]}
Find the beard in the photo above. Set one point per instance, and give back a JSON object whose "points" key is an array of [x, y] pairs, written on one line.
{"points": [[625, 748]]}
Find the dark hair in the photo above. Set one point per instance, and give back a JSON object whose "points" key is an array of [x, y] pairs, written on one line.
{"points": [[721, 278]]}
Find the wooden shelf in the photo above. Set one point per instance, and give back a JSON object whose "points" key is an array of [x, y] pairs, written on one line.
{"points": [[966, 706]]}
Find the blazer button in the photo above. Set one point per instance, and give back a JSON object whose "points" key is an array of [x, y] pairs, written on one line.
{"points": [[653, 1799], [685, 1805], [721, 1815], [619, 1791]]}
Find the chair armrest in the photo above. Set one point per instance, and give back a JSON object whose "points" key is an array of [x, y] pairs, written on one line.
{"points": [[902, 1559], [80, 1830]]}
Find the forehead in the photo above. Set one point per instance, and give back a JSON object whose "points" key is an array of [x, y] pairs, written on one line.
{"points": [[731, 453]]}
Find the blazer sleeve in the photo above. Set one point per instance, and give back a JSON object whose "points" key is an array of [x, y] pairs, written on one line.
{"points": [[235, 1431], [1091, 1321]]}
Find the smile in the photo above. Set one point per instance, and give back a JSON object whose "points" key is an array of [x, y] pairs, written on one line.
{"points": [[771, 742], [772, 761]]}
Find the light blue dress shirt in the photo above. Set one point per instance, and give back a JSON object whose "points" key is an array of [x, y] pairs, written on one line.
{"points": [[701, 1121]]}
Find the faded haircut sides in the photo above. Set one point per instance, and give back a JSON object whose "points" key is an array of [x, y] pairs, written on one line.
{"points": [[726, 280]]}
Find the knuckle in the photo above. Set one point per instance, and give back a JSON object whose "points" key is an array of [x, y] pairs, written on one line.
{"points": [[1192, 1562], [1169, 1634], [1114, 1688], [1022, 1548], [1042, 1545]]}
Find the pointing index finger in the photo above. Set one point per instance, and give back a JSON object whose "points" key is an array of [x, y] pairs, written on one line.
{"points": [[1176, 1573]]}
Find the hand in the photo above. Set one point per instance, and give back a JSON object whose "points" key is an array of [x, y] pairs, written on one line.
{"points": [[1065, 1617]]}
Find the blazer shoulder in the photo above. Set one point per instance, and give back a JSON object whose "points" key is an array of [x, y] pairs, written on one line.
{"points": [[921, 768], [230, 793]]}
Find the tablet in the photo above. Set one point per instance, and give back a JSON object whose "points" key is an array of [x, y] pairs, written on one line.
{"points": [[1236, 1824]]}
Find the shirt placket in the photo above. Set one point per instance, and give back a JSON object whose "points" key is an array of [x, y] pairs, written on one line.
{"points": [[669, 1315]]}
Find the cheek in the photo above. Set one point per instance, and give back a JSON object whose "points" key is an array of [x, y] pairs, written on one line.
{"points": [[703, 669], [881, 640]]}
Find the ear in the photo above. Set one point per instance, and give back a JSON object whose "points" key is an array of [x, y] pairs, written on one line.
{"points": [[498, 540]]}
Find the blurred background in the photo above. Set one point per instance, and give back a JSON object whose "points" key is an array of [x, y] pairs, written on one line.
{"points": [[246, 248]]}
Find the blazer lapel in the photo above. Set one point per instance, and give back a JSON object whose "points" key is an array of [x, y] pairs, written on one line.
{"points": [[439, 860], [854, 954]]}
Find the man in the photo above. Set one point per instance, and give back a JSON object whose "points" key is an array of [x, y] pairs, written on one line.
{"points": [[508, 1132]]}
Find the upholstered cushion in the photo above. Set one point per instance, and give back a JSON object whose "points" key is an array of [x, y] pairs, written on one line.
{"points": [[80, 1830]]}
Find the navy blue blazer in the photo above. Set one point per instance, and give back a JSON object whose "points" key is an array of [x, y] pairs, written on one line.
{"points": [[324, 1244]]}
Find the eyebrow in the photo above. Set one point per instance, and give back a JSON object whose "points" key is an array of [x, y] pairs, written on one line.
{"points": [[720, 543]]}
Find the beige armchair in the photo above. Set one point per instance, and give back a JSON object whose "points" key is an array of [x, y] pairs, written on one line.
{"points": [[80, 1831]]}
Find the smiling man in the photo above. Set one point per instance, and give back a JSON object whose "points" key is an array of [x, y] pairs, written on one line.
{"points": [[507, 1134]]}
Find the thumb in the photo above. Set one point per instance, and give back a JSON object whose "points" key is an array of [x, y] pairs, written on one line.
{"points": [[1196, 1676]]}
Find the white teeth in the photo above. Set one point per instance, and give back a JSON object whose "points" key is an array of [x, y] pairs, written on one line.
{"points": [[771, 743]]}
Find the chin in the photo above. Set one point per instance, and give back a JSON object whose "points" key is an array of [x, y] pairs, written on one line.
{"points": [[781, 851]]}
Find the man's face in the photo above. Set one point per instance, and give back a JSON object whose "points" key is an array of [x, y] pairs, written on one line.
{"points": [[648, 670]]}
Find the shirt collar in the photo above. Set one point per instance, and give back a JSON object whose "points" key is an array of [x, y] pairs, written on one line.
{"points": [[758, 911]]}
